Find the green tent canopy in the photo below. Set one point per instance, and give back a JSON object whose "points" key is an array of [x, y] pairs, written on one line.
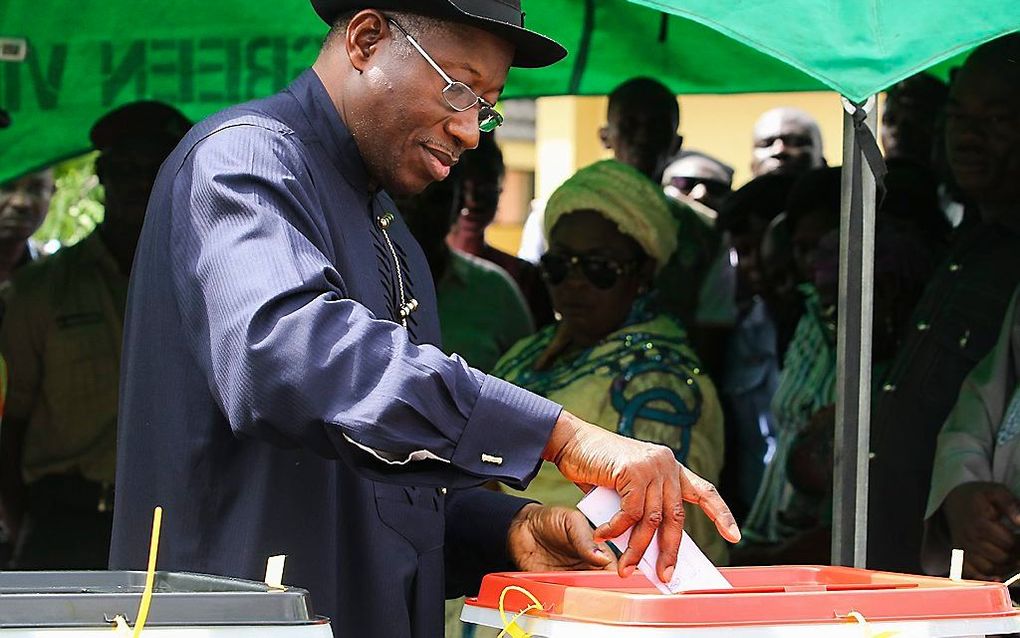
{"points": [[201, 55], [613, 40], [855, 47]]}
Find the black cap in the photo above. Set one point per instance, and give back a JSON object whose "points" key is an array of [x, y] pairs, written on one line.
{"points": [[502, 18], [146, 122]]}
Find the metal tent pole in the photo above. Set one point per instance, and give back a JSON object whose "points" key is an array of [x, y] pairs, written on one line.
{"points": [[853, 344]]}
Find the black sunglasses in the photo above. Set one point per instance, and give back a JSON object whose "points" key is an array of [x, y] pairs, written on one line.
{"points": [[686, 184], [601, 272]]}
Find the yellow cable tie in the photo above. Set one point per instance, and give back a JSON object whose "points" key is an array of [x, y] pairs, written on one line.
{"points": [[510, 627], [858, 617], [150, 575]]}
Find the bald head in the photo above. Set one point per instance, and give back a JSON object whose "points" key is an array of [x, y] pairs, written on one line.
{"points": [[786, 140], [983, 126]]}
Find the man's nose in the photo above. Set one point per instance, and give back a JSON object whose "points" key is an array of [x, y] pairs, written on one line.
{"points": [[779, 147], [463, 127]]}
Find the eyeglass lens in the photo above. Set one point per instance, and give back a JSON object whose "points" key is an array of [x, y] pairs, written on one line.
{"points": [[460, 97], [686, 184]]}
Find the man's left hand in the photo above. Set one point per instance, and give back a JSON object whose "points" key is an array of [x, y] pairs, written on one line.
{"points": [[555, 539]]}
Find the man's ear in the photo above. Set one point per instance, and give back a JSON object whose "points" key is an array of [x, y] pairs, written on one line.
{"points": [[364, 33], [604, 136]]}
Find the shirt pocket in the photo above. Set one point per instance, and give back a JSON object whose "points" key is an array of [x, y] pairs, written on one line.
{"points": [[415, 513]]}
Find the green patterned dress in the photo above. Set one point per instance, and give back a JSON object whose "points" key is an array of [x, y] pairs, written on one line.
{"points": [[643, 381]]}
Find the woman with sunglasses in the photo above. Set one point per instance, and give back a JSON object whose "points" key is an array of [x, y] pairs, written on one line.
{"points": [[610, 359]]}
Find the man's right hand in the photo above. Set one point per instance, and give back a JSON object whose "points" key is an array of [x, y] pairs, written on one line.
{"points": [[975, 513], [652, 486]]}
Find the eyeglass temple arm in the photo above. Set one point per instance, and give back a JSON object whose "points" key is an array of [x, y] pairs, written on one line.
{"points": [[420, 50]]}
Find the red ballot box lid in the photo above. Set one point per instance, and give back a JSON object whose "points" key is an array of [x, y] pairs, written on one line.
{"points": [[776, 595]]}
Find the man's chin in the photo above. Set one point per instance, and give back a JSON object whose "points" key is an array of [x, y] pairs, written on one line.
{"points": [[405, 185]]}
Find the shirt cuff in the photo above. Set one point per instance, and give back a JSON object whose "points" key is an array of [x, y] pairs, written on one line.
{"points": [[506, 433]]}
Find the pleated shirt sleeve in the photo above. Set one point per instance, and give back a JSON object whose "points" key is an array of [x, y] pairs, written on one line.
{"points": [[292, 359]]}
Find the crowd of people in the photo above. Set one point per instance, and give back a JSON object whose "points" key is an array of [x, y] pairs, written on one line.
{"points": [[650, 297]]}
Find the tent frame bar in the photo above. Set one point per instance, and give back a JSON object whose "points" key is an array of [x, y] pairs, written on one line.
{"points": [[852, 444]]}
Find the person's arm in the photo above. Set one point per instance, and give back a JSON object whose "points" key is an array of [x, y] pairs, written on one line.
{"points": [[21, 342], [291, 359], [964, 500]]}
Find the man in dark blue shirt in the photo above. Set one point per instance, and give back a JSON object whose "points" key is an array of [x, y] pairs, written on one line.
{"points": [[281, 390]]}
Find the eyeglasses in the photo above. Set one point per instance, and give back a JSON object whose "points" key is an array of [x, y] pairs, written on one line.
{"points": [[685, 185], [458, 95], [602, 272]]}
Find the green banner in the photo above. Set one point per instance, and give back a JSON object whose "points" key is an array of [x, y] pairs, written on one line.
{"points": [[84, 58]]}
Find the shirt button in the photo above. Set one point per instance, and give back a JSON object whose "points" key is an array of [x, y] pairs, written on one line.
{"points": [[923, 326], [954, 267], [888, 388], [965, 339]]}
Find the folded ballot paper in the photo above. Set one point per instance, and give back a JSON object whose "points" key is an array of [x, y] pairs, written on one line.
{"points": [[693, 569]]}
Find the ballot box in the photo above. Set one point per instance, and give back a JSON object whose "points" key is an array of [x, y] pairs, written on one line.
{"points": [[786, 601], [87, 604]]}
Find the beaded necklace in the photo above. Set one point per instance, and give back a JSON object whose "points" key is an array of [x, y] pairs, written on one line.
{"points": [[407, 306]]}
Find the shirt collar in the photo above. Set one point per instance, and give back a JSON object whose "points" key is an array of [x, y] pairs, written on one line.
{"points": [[338, 142]]}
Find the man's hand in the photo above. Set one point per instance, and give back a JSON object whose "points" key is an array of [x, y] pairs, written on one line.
{"points": [[545, 539], [651, 483], [976, 514]]}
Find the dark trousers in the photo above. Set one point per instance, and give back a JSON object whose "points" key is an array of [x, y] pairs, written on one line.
{"points": [[67, 525]]}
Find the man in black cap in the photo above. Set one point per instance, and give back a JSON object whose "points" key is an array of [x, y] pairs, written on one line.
{"points": [[61, 338], [282, 390]]}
